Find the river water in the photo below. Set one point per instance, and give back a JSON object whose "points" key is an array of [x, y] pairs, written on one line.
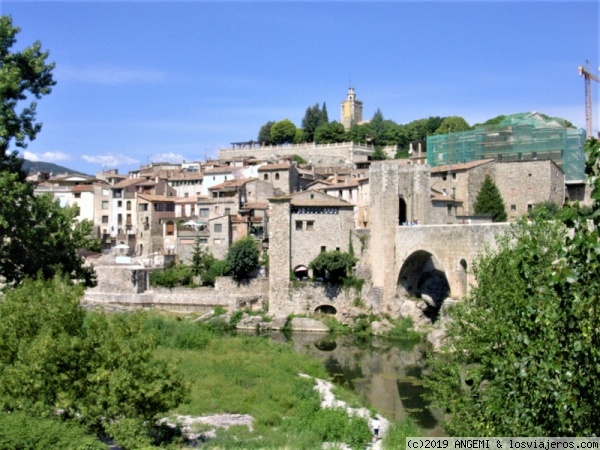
{"points": [[385, 375]]}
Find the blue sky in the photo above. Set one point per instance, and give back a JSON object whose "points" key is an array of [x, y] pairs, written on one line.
{"points": [[170, 81]]}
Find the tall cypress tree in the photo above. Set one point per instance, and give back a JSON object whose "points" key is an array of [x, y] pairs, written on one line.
{"points": [[489, 201]]}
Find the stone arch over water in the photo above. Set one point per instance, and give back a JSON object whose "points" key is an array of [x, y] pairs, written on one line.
{"points": [[422, 276], [325, 309]]}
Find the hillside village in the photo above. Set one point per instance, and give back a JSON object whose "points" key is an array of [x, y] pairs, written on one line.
{"points": [[322, 193]]}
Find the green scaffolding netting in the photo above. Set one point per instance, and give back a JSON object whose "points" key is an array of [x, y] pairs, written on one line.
{"points": [[519, 137]]}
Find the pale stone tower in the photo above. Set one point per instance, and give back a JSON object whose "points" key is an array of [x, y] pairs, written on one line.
{"points": [[351, 110]]}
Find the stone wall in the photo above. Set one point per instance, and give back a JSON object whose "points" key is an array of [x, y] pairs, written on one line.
{"points": [[227, 293], [279, 256], [329, 232], [319, 155], [524, 184]]}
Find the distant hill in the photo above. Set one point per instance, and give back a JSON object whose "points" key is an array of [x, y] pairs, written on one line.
{"points": [[40, 166]]}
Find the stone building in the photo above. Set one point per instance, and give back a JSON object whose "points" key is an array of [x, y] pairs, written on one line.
{"points": [[187, 184], [522, 185], [283, 177], [156, 224], [301, 226]]}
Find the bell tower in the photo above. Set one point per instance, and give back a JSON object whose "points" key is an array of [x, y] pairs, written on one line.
{"points": [[351, 110]]}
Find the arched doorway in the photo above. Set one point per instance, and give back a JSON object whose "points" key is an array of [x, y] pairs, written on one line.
{"points": [[401, 211], [422, 277], [301, 272]]}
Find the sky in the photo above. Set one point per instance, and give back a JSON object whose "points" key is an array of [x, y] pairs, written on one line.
{"points": [[149, 81]]}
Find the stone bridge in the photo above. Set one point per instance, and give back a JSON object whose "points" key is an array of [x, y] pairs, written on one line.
{"points": [[432, 260]]}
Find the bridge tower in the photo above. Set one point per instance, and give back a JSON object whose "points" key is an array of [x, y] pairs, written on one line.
{"points": [[400, 194]]}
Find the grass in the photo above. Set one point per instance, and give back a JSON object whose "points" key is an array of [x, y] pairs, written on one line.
{"points": [[240, 374]]}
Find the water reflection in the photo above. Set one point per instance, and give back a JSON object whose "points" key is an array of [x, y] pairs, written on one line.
{"points": [[385, 375]]}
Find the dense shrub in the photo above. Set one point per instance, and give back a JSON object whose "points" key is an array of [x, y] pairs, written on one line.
{"points": [[19, 430]]}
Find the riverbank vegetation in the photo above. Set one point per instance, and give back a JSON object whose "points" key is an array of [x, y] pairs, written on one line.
{"points": [[526, 341]]}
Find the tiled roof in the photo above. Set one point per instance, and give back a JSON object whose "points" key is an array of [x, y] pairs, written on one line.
{"points": [[231, 184], [83, 188], [157, 198], [268, 167], [128, 182], [461, 166], [314, 198], [185, 175], [218, 170]]}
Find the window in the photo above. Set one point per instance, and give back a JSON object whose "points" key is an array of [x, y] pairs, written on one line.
{"points": [[170, 207], [104, 204], [105, 192], [78, 195], [234, 228], [310, 225], [513, 208], [119, 204], [186, 195], [298, 225], [323, 248], [445, 177], [104, 219], [170, 228], [453, 192], [227, 211], [128, 205], [266, 177], [277, 176], [449, 206], [444, 192], [119, 219], [203, 240], [529, 208], [454, 175], [217, 241], [143, 206], [218, 228], [128, 220], [204, 212], [159, 207]]}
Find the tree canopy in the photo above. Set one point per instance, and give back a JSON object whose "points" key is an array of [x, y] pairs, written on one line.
{"points": [[526, 342], [22, 74], [452, 124], [243, 257], [489, 201], [37, 236], [283, 132], [95, 368], [333, 265], [313, 119]]}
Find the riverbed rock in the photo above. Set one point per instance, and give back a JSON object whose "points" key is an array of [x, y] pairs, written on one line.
{"points": [[412, 309], [304, 324], [429, 301], [436, 337], [379, 328]]}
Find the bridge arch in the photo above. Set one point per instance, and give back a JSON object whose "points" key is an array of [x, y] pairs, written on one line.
{"points": [[422, 275], [326, 309]]}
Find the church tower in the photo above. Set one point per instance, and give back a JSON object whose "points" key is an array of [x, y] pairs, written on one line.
{"points": [[351, 110]]}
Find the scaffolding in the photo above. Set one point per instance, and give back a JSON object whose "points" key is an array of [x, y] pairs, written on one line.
{"points": [[519, 137]]}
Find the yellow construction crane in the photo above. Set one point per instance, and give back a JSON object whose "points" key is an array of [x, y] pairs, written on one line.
{"points": [[584, 71]]}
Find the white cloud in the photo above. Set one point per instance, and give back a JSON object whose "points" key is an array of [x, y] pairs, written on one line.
{"points": [[168, 157], [110, 160], [46, 156], [110, 74]]}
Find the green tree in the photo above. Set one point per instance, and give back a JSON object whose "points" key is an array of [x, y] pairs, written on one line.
{"points": [[23, 74], [452, 124], [283, 132], [333, 265], [330, 133], [243, 257], [489, 201], [264, 134], [379, 154], [95, 368], [526, 341]]}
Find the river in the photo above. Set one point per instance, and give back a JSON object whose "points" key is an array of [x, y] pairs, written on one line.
{"points": [[385, 375]]}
